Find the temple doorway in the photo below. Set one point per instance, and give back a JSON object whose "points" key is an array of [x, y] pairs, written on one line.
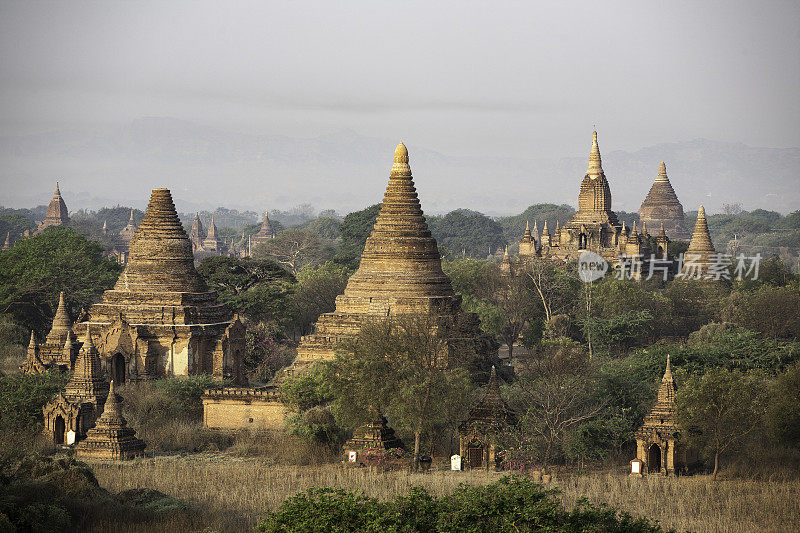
{"points": [[475, 455], [58, 430], [582, 241], [118, 369], [654, 459]]}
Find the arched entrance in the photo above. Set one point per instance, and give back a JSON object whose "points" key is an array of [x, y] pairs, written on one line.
{"points": [[654, 459], [118, 369], [475, 455], [58, 430], [582, 241]]}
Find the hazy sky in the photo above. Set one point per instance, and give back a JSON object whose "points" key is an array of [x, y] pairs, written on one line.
{"points": [[500, 78]]}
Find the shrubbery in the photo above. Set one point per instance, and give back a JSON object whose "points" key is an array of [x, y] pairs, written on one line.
{"points": [[512, 504]]}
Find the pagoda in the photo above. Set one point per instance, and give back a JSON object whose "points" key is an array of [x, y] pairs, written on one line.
{"points": [[657, 445], [57, 214], [70, 414], [160, 318], [478, 433], [212, 243], [661, 206], [400, 274], [110, 438], [700, 255], [59, 349], [265, 233], [196, 233]]}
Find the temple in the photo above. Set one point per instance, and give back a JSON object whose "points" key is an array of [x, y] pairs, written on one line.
{"points": [[110, 438], [400, 274], [661, 206], [478, 434], [700, 256], [264, 234], [74, 411], [160, 318], [657, 448], [57, 214], [593, 227], [60, 348]]}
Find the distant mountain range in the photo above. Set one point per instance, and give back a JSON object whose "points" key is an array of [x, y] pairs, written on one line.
{"points": [[207, 167]]}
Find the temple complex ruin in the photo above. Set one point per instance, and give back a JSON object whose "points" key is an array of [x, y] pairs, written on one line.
{"points": [[265, 233], [662, 207], [160, 318]]}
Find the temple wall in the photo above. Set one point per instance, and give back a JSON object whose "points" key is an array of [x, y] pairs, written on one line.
{"points": [[243, 409]]}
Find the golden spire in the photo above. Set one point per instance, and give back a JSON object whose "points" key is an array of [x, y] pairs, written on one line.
{"points": [[400, 165], [544, 228], [595, 163], [644, 228], [668, 371], [662, 172], [633, 232], [662, 233], [701, 239]]}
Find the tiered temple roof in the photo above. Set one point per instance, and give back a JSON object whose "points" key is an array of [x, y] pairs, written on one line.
{"points": [[196, 234], [57, 214], [660, 422], [700, 253], [110, 438], [662, 206], [594, 197], [265, 233], [400, 274]]}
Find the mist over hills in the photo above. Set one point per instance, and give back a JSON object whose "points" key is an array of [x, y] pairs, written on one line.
{"points": [[208, 167]]}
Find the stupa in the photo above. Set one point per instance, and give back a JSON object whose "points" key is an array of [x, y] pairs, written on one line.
{"points": [[70, 414], [661, 206], [700, 255], [657, 445], [59, 349], [196, 233], [400, 274], [110, 438], [478, 434], [56, 215], [160, 318], [212, 243], [265, 233]]}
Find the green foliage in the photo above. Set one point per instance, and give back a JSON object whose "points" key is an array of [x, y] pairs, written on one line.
{"points": [[15, 224], [307, 389], [783, 410], [620, 332], [512, 504], [468, 231], [791, 221], [258, 288], [295, 249], [326, 227], [772, 311], [315, 293], [718, 409], [317, 424], [22, 397], [355, 229], [34, 271]]}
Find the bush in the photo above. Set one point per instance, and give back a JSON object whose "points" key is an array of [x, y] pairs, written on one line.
{"points": [[22, 397], [511, 504]]}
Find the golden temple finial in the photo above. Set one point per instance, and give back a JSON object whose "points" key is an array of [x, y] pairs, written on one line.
{"points": [[400, 165], [595, 163], [668, 371]]}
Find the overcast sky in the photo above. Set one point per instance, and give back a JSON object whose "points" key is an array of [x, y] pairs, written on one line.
{"points": [[499, 78]]}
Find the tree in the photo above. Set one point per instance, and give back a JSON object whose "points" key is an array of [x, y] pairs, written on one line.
{"points": [[315, 293], [469, 231], [294, 249], [257, 288], [556, 391], [783, 412], [35, 270], [355, 229], [773, 311], [718, 409], [404, 369], [556, 289]]}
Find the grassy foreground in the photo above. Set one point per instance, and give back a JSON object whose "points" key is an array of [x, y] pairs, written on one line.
{"points": [[235, 492]]}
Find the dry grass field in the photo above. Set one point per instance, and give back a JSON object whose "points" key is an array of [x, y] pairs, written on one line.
{"points": [[234, 492]]}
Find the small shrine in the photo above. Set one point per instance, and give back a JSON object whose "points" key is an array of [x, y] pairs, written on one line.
{"points": [[111, 438], [74, 411], [657, 450], [377, 435], [478, 433], [60, 348]]}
